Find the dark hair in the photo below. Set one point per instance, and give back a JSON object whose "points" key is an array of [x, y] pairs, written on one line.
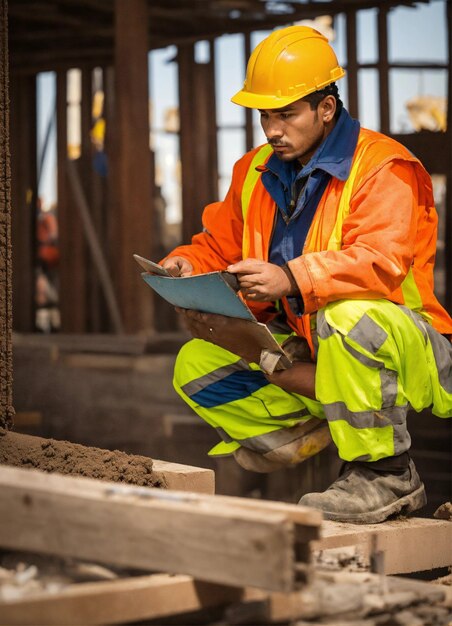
{"points": [[315, 98]]}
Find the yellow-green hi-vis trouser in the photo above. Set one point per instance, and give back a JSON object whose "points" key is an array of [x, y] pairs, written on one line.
{"points": [[375, 361]]}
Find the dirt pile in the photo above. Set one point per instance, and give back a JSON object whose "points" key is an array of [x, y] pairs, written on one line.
{"points": [[63, 457]]}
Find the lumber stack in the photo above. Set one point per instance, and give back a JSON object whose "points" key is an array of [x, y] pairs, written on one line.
{"points": [[251, 559], [337, 599], [220, 539]]}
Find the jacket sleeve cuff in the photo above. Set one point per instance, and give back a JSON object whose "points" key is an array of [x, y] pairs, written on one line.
{"points": [[302, 277]]}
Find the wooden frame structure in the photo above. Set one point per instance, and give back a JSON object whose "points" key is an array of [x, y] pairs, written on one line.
{"points": [[122, 209]]}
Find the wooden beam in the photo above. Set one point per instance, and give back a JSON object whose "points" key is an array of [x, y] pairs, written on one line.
{"points": [[249, 130], [23, 200], [448, 228], [352, 64], [116, 602], [72, 282], [144, 528], [191, 213], [132, 216], [409, 545], [383, 70], [6, 277], [198, 138], [184, 477], [159, 595]]}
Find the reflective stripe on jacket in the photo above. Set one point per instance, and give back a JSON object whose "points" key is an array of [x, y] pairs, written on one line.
{"points": [[373, 236]]}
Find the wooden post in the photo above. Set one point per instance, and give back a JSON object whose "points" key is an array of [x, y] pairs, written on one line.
{"points": [[23, 199], [198, 141], [383, 67], [6, 359], [72, 243], [448, 229], [249, 131], [352, 65], [93, 321], [132, 210]]}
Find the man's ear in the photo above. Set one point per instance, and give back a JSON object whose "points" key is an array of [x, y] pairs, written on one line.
{"points": [[327, 108]]}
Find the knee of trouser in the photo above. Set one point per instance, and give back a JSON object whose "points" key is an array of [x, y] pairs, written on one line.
{"points": [[186, 359], [342, 316], [330, 318], [197, 358]]}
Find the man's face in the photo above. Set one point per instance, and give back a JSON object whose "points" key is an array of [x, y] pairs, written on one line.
{"points": [[296, 131]]}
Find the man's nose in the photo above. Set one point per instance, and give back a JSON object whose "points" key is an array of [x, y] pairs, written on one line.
{"points": [[273, 129]]}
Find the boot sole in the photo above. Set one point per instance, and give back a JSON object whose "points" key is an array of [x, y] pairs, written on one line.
{"points": [[408, 504]]}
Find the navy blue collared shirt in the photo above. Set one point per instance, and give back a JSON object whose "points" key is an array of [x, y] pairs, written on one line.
{"points": [[284, 181]]}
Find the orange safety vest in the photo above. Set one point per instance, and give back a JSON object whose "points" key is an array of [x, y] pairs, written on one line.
{"points": [[365, 241]]}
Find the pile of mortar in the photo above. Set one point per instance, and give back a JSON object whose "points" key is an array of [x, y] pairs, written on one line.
{"points": [[63, 457]]}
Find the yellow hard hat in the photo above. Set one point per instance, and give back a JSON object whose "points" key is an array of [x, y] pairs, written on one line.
{"points": [[286, 66]]}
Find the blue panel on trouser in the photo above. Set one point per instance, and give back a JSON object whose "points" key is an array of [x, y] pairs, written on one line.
{"points": [[236, 386]]}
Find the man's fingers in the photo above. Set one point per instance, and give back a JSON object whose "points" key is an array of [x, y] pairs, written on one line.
{"points": [[248, 266], [248, 280]]}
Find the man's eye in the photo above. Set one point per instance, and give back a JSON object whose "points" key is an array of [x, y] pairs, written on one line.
{"points": [[285, 116]]}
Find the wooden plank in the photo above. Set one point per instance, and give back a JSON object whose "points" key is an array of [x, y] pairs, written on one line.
{"points": [[184, 477], [302, 515], [116, 602], [145, 529], [409, 545], [161, 595]]}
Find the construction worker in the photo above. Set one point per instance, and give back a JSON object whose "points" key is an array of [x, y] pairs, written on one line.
{"points": [[331, 231]]}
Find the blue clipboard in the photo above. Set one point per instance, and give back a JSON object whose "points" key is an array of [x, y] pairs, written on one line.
{"points": [[210, 293]]}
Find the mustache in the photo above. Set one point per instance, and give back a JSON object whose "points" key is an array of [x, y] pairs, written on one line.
{"points": [[277, 144]]}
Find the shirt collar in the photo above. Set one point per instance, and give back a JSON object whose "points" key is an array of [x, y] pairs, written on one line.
{"points": [[334, 155]]}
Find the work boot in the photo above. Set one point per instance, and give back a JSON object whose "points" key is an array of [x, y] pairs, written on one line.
{"points": [[366, 494]]}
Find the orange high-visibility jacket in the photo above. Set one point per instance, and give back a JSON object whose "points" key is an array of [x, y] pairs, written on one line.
{"points": [[378, 242]]}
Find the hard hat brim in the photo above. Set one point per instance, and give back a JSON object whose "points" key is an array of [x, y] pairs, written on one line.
{"points": [[264, 101], [258, 101]]}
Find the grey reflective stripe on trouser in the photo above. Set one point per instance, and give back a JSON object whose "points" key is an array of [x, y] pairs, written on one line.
{"points": [[265, 442], [270, 441], [223, 434], [212, 377], [324, 330], [442, 348], [370, 336]]}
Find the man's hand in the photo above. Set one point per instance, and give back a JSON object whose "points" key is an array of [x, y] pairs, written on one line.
{"points": [[178, 266], [261, 281], [300, 378], [227, 332]]}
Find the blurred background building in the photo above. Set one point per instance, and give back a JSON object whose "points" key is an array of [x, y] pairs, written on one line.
{"points": [[121, 130]]}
